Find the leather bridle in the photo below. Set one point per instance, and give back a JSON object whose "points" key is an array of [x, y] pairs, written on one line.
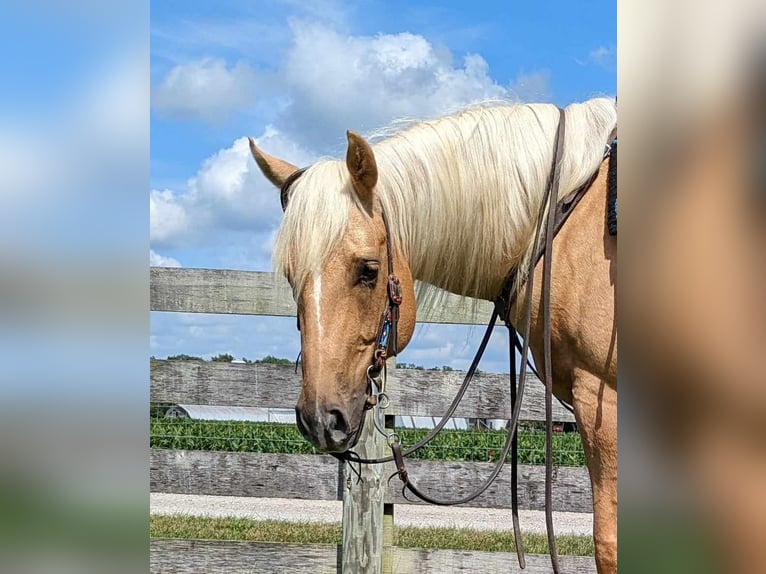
{"points": [[386, 346]]}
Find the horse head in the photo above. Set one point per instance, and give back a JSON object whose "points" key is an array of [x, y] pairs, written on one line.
{"points": [[332, 247]]}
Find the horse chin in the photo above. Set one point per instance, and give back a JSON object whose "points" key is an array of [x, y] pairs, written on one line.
{"points": [[338, 448]]}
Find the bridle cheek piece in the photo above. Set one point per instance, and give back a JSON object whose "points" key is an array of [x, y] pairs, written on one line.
{"points": [[387, 345], [387, 332]]}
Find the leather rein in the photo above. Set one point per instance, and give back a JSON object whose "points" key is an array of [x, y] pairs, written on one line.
{"points": [[386, 346]]}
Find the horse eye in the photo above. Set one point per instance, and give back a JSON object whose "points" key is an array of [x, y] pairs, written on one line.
{"points": [[367, 273]]}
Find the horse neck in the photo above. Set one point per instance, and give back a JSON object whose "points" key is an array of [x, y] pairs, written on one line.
{"points": [[461, 223], [462, 193]]}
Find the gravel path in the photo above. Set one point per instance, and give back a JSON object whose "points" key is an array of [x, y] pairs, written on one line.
{"points": [[330, 511]]}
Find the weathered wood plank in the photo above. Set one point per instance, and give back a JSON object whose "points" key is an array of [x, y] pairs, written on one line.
{"points": [[320, 478], [429, 393], [219, 291], [229, 384], [450, 480], [412, 392], [245, 474], [430, 561], [174, 556], [261, 293], [363, 506]]}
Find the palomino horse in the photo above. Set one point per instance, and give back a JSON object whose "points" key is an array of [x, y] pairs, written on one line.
{"points": [[461, 195]]}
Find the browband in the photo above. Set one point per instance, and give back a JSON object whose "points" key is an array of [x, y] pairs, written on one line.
{"points": [[285, 189]]}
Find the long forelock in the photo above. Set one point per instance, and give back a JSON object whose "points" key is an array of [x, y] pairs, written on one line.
{"points": [[315, 221]]}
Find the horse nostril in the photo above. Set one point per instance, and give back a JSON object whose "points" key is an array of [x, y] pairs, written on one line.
{"points": [[302, 427], [336, 422], [329, 431]]}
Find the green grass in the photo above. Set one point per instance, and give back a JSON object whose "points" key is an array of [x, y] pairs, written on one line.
{"points": [[201, 528], [406, 537], [453, 445]]}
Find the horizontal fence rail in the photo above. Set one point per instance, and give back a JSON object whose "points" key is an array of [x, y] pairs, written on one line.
{"points": [[412, 392], [224, 291], [320, 477], [173, 556]]}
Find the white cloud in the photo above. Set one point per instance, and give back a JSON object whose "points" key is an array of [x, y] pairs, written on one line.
{"points": [[157, 260], [206, 89], [363, 82], [332, 82], [603, 56], [600, 54], [534, 86], [228, 194], [167, 216]]}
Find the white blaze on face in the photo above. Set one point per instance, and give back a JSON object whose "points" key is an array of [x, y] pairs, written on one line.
{"points": [[318, 311], [316, 299]]}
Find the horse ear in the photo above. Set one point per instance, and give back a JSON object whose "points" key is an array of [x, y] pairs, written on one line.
{"points": [[275, 170], [361, 164]]}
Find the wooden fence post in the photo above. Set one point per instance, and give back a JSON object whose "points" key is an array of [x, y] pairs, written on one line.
{"points": [[363, 504], [388, 520]]}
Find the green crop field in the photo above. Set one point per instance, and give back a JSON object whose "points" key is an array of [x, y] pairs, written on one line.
{"points": [[453, 445]]}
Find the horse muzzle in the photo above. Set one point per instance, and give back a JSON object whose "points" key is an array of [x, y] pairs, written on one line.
{"points": [[327, 428]]}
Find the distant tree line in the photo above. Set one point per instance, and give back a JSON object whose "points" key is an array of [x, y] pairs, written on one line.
{"points": [[421, 368], [227, 358], [271, 360]]}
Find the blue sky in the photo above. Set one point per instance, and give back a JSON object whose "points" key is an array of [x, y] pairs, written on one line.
{"points": [[295, 75]]}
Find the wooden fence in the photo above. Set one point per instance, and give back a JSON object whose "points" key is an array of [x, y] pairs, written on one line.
{"points": [[369, 504]]}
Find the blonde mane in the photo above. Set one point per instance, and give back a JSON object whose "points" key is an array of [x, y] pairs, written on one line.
{"points": [[461, 192]]}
